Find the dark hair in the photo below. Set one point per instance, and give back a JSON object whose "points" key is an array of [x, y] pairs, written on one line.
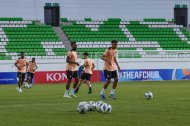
{"points": [[114, 41], [33, 58], [85, 53], [72, 43], [21, 52]]}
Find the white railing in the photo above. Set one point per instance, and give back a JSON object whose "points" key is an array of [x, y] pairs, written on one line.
{"points": [[121, 54], [154, 54]]}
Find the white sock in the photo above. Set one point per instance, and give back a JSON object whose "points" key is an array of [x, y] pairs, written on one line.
{"points": [[112, 91], [102, 91], [66, 92], [90, 85], [72, 91]]}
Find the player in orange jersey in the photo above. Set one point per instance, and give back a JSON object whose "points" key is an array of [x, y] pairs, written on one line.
{"points": [[110, 70], [21, 64], [88, 68], [31, 69], [71, 70]]}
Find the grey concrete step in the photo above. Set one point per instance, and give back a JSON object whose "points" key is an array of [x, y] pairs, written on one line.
{"points": [[63, 37]]}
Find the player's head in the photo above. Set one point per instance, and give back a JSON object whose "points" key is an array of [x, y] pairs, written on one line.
{"points": [[114, 44], [74, 46], [33, 59], [85, 55], [22, 54]]}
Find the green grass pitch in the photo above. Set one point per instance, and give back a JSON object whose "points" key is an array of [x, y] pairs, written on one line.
{"points": [[44, 105]]}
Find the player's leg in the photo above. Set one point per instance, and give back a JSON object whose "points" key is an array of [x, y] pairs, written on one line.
{"points": [[75, 76], [88, 78], [22, 80], [82, 78], [78, 85], [115, 76], [19, 76], [69, 79], [30, 78], [89, 87], [108, 80]]}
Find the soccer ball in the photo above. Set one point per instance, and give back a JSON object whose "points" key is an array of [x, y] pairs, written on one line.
{"points": [[27, 85], [82, 107], [92, 106], [88, 106], [98, 105], [106, 108], [86, 103], [148, 95]]}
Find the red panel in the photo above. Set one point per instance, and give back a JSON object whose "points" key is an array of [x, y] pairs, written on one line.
{"points": [[50, 77], [96, 76], [59, 77]]}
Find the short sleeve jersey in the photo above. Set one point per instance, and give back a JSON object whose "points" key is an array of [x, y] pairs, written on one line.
{"points": [[22, 63], [88, 66], [110, 55], [32, 66], [73, 58]]}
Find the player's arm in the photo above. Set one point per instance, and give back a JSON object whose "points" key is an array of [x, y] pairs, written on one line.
{"points": [[93, 66], [118, 67], [16, 64], [86, 64], [27, 64], [69, 61], [104, 57], [36, 67]]}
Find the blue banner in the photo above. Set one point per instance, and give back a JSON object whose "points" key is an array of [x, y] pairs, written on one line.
{"points": [[8, 77], [144, 74]]}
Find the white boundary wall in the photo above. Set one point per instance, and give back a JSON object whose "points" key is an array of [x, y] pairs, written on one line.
{"points": [[142, 63]]}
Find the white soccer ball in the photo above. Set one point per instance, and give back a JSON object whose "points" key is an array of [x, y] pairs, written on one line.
{"points": [[82, 107], [30, 85], [148, 95], [88, 106], [26, 85], [92, 105], [105, 108], [98, 105]]}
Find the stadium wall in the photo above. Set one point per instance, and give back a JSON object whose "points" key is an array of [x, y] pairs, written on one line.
{"points": [[128, 9], [132, 70]]}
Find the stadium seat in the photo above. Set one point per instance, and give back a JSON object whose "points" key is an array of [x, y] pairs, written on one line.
{"points": [[92, 35], [147, 34], [18, 35]]}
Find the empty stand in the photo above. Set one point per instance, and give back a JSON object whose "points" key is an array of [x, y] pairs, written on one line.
{"points": [[133, 35], [137, 38], [18, 35]]}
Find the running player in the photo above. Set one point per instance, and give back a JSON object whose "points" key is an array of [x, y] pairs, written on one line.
{"points": [[31, 69], [110, 72], [71, 70], [21, 64], [88, 68]]}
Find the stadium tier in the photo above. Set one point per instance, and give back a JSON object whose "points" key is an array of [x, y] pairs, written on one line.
{"points": [[92, 35], [35, 39], [147, 34]]}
